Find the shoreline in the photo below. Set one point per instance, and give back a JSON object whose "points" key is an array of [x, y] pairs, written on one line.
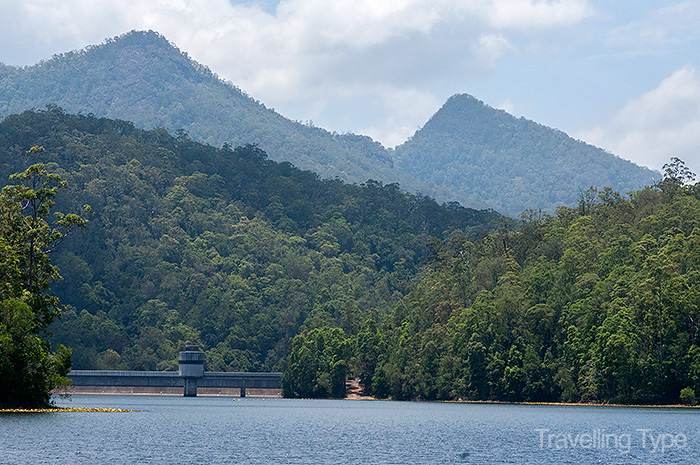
{"points": [[572, 404], [353, 394], [351, 397], [549, 404]]}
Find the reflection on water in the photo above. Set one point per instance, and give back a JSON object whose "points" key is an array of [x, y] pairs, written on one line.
{"points": [[217, 430]]}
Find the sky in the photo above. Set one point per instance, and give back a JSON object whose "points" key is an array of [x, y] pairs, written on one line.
{"points": [[622, 75]]}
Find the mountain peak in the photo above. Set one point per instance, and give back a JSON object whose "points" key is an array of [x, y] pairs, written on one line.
{"points": [[150, 42], [141, 37], [466, 116], [140, 76], [132, 40], [467, 103], [481, 154], [463, 99]]}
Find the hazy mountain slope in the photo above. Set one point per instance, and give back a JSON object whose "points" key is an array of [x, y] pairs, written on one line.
{"points": [[468, 152], [483, 156], [143, 78]]}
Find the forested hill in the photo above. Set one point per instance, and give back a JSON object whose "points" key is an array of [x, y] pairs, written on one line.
{"points": [[599, 303], [143, 78], [483, 156], [467, 153], [188, 243]]}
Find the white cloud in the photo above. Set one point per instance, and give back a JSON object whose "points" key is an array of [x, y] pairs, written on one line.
{"points": [[535, 14], [491, 47], [658, 125], [670, 26], [508, 106], [408, 109]]}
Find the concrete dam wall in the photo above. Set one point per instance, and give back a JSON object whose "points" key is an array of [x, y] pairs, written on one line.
{"points": [[190, 376]]}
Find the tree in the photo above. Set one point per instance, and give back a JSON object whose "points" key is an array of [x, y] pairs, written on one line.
{"points": [[687, 396], [317, 365], [676, 175], [24, 207], [28, 369]]}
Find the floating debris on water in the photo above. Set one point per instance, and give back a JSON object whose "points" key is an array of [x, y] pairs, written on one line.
{"points": [[64, 409]]}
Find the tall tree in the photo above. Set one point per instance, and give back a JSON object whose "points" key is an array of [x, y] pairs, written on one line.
{"points": [[28, 368]]}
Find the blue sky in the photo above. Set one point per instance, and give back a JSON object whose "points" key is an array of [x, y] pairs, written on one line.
{"points": [[623, 75]]}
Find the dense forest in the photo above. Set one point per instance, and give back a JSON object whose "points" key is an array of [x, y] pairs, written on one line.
{"points": [[268, 267], [221, 247], [468, 152], [597, 303]]}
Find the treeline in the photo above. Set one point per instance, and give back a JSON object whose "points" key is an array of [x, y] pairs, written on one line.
{"points": [[221, 247], [598, 303]]}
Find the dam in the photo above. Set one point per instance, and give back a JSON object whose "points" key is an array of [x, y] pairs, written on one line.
{"points": [[189, 377]]}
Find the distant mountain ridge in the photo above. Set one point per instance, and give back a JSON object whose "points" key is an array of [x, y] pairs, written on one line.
{"points": [[468, 152], [141, 77], [485, 156]]}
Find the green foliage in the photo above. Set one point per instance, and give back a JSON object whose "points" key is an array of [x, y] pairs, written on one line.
{"points": [[467, 152], [271, 268], [676, 175], [688, 396], [24, 207], [218, 247], [317, 365], [28, 369], [598, 303]]}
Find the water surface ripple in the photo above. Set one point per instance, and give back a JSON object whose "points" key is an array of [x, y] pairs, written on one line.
{"points": [[219, 430]]}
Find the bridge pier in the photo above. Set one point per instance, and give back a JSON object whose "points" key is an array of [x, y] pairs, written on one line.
{"points": [[190, 387]]}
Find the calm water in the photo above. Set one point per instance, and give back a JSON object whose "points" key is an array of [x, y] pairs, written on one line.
{"points": [[217, 430]]}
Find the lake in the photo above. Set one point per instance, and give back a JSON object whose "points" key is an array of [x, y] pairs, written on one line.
{"points": [[224, 430]]}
